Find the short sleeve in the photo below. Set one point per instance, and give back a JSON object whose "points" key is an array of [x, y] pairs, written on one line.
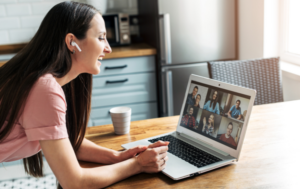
{"points": [[43, 117], [231, 109]]}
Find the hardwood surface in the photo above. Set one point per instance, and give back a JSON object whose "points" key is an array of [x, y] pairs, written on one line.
{"points": [[269, 157], [10, 49], [133, 50]]}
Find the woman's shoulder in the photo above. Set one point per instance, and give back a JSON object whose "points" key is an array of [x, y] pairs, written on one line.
{"points": [[46, 89], [47, 84], [207, 102], [47, 80]]}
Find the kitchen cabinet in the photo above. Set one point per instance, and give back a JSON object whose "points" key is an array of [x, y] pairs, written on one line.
{"points": [[127, 82]]}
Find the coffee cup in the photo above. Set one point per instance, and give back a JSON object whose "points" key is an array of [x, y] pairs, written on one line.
{"points": [[121, 117]]}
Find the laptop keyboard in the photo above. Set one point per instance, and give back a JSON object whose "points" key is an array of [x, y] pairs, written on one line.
{"points": [[187, 152]]}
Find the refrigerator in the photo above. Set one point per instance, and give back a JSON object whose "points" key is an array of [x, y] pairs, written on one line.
{"points": [[187, 35]]}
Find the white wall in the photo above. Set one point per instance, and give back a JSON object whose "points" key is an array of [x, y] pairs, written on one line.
{"points": [[259, 31], [250, 29], [20, 19], [271, 28]]}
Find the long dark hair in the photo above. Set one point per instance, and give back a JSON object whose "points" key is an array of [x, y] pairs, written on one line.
{"points": [[48, 53], [213, 101]]}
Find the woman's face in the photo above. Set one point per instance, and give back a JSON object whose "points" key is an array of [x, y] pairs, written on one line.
{"points": [[211, 119], [198, 99], [93, 47], [215, 95]]}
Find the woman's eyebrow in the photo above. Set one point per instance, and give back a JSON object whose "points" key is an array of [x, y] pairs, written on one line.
{"points": [[102, 32]]}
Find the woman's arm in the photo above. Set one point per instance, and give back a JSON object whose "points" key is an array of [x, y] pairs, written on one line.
{"points": [[205, 107], [90, 151], [217, 108], [63, 162]]}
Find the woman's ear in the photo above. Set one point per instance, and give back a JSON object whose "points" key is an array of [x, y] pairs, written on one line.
{"points": [[68, 39]]}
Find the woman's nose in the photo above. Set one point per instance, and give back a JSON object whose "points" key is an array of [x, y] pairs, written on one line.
{"points": [[107, 48]]}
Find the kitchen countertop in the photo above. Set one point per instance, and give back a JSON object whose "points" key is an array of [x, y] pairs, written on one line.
{"points": [[133, 50]]}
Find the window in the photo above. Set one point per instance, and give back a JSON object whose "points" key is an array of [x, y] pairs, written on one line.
{"points": [[290, 31]]}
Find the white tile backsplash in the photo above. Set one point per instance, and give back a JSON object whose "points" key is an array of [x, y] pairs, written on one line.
{"points": [[29, 1], [9, 23], [4, 38], [42, 8], [31, 21], [2, 11], [20, 19], [18, 9], [8, 1], [21, 35]]}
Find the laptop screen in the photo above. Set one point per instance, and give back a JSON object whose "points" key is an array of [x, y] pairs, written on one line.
{"points": [[215, 113]]}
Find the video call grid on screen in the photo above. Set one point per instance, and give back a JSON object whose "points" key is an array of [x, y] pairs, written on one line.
{"points": [[215, 113]]}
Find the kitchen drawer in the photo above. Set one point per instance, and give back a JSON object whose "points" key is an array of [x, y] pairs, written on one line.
{"points": [[140, 111], [126, 65], [134, 88]]}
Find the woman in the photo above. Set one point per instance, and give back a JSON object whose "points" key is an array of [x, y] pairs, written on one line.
{"points": [[197, 101], [212, 105], [208, 128], [45, 95]]}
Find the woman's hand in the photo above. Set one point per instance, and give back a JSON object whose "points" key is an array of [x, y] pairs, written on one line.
{"points": [[127, 154], [132, 152], [158, 144], [154, 159]]}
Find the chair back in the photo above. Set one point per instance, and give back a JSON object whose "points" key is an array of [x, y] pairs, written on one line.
{"points": [[263, 75]]}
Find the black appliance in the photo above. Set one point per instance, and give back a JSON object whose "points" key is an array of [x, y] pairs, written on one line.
{"points": [[117, 29]]}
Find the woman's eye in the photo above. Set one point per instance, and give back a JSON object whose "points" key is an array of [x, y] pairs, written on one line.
{"points": [[101, 38]]}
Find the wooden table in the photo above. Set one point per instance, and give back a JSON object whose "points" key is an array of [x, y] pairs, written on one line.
{"points": [[269, 158]]}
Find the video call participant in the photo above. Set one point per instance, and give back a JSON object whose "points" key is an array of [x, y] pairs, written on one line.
{"points": [[226, 137], [189, 120], [191, 97], [208, 127], [197, 101], [235, 111], [212, 105]]}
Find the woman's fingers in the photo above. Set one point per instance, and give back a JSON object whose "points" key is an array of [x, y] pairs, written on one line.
{"points": [[161, 149], [153, 159], [158, 144], [159, 165], [162, 156], [163, 161]]}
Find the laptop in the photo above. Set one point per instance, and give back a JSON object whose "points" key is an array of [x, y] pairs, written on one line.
{"points": [[211, 128]]}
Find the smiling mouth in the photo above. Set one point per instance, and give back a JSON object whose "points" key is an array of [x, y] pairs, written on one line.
{"points": [[100, 58]]}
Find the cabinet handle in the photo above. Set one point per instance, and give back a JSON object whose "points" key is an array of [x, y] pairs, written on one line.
{"points": [[117, 81], [115, 67]]}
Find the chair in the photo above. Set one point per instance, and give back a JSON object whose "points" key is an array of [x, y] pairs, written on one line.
{"points": [[264, 75]]}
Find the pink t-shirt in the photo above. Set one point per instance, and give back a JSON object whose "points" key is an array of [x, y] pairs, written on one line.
{"points": [[43, 118]]}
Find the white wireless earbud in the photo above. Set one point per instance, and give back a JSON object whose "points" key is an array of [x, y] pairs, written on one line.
{"points": [[75, 44]]}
